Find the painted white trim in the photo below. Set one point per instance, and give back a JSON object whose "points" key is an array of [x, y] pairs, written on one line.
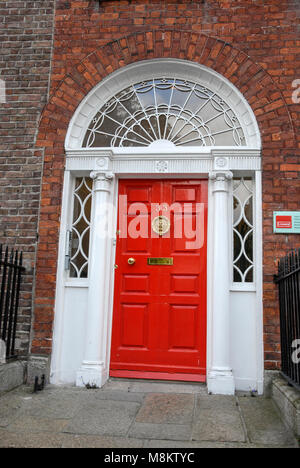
{"points": [[111, 263], [259, 280], [94, 369], [210, 259], [77, 283], [58, 329], [220, 378], [163, 162], [243, 287], [189, 152]]}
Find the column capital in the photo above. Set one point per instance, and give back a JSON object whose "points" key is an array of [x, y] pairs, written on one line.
{"points": [[221, 175], [221, 180], [102, 175], [102, 180]]}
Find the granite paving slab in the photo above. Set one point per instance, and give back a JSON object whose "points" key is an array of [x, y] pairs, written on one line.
{"points": [[104, 417], [217, 418], [134, 414], [167, 408], [161, 431], [263, 423]]}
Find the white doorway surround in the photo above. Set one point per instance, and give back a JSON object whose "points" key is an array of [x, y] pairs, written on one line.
{"points": [[84, 303]]}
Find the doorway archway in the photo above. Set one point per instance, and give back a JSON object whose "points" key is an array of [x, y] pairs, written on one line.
{"points": [[161, 119]]}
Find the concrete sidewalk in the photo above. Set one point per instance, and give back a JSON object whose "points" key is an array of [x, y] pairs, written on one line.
{"points": [[136, 414]]}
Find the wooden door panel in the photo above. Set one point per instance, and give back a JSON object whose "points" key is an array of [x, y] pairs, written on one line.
{"points": [[183, 327], [184, 194], [141, 193], [135, 284], [134, 326], [159, 322], [184, 284]]}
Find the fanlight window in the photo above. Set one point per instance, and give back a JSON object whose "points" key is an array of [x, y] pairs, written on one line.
{"points": [[180, 112]]}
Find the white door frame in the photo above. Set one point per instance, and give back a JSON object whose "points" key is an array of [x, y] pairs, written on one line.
{"points": [[105, 166]]}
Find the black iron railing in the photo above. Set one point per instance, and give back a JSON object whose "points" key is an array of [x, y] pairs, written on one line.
{"points": [[288, 280], [11, 271]]}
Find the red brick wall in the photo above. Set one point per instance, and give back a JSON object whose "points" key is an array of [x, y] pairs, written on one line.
{"points": [[26, 30], [254, 43]]}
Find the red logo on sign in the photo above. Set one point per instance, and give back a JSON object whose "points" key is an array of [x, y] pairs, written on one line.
{"points": [[284, 222]]}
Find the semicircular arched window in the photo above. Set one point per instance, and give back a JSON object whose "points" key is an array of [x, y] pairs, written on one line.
{"points": [[176, 111]]}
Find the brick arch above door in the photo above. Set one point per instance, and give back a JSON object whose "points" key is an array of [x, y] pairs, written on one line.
{"points": [[255, 84]]}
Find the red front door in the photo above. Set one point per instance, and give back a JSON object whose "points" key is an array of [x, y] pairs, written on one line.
{"points": [[159, 317]]}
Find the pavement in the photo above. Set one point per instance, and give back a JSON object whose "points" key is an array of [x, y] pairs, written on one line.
{"points": [[139, 414]]}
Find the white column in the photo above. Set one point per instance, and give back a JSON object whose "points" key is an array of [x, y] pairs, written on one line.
{"points": [[94, 369], [220, 377]]}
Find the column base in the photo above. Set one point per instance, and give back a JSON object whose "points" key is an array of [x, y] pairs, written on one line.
{"points": [[91, 375], [220, 382]]}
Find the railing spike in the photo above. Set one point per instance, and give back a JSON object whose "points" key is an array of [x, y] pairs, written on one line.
{"points": [[11, 255], [11, 271]]}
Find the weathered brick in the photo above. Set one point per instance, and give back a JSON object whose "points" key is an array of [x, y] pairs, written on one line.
{"points": [[254, 44], [25, 52]]}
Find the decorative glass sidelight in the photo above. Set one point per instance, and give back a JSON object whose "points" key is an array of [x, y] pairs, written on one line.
{"points": [[80, 233], [243, 242], [180, 112]]}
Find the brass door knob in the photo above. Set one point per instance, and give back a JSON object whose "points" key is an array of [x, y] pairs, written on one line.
{"points": [[131, 261]]}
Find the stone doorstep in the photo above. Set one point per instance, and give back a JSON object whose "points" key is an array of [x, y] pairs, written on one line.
{"points": [[12, 375], [287, 400]]}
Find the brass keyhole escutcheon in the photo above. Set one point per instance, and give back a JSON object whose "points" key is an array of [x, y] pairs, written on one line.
{"points": [[131, 261]]}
